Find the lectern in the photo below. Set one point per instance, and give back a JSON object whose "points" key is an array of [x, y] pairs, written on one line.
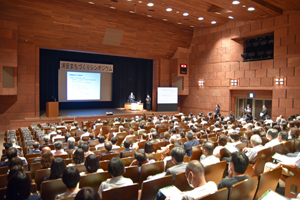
{"points": [[52, 109]]}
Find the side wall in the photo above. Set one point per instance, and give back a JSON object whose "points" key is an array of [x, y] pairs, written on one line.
{"points": [[216, 58]]}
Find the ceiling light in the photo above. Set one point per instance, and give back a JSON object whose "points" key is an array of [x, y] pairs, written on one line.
{"points": [[230, 17], [91, 2], [129, 0], [251, 8], [169, 9], [131, 11], [177, 11], [213, 22], [192, 26], [200, 18], [179, 23], [217, 13], [185, 14], [140, 2], [244, 6], [235, 2], [112, 7], [150, 4], [165, 19], [149, 15]]}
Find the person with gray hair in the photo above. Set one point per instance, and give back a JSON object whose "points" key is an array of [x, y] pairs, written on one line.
{"points": [[53, 131], [14, 143], [58, 149], [188, 145], [46, 139], [71, 142], [272, 135], [59, 135], [256, 144]]}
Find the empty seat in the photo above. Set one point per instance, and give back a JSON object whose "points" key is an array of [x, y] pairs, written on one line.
{"points": [[129, 192], [244, 190], [128, 154], [151, 187]]}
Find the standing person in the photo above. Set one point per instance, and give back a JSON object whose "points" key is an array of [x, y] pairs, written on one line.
{"points": [[148, 103], [248, 110], [217, 111], [264, 112], [131, 98]]}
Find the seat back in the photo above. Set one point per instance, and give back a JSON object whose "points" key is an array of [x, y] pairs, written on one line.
{"points": [[262, 157], [150, 169], [109, 156], [224, 153], [104, 164], [287, 147], [296, 145], [40, 175], [154, 156], [169, 164], [241, 146], [244, 190], [127, 161], [120, 137], [93, 180], [127, 154], [151, 187], [80, 167], [181, 182], [267, 180], [34, 167], [132, 173], [293, 180], [196, 152], [215, 172], [277, 149], [3, 170], [32, 155], [93, 143], [221, 194], [142, 144], [119, 193], [49, 189]]}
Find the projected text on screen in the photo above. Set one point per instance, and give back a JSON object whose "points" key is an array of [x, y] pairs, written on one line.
{"points": [[83, 86], [167, 95]]}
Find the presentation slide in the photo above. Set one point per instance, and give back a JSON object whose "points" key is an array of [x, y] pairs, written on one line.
{"points": [[167, 95], [78, 86], [83, 86]]}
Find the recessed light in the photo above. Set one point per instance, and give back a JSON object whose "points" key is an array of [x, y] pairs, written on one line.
{"points": [[230, 17], [179, 23], [140, 2], [165, 19], [91, 2], [235, 2], [244, 6], [131, 11], [185, 14], [251, 9], [200, 18], [112, 7], [213, 22], [177, 11], [192, 26], [149, 15], [150, 4], [129, 0], [169, 9], [217, 13]]}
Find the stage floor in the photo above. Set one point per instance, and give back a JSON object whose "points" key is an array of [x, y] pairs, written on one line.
{"points": [[94, 112]]}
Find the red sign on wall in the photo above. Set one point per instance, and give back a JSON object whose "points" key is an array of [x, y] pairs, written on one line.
{"points": [[183, 69]]}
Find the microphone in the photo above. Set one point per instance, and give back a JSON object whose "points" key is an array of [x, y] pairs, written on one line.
{"points": [[54, 98]]}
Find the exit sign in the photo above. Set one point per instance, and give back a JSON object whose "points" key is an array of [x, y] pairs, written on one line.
{"points": [[183, 69]]}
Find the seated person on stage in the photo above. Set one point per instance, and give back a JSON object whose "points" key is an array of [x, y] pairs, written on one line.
{"points": [[58, 149], [188, 145], [194, 174], [71, 179], [235, 140], [108, 147], [207, 157], [127, 147], [86, 148], [114, 141], [131, 98], [71, 142], [36, 146], [177, 155], [272, 135], [116, 169], [236, 169], [256, 144], [101, 140], [58, 135]]}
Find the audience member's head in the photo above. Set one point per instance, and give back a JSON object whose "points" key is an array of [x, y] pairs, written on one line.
{"points": [[127, 144], [18, 186], [234, 136], [11, 153], [92, 163], [248, 134], [272, 134], [15, 161], [255, 140], [114, 140], [85, 147], [36, 145], [85, 129], [7, 146], [57, 167], [140, 156], [177, 154], [148, 147], [14, 170], [47, 158], [194, 173], [87, 193], [222, 141], [78, 157], [282, 136], [239, 162], [80, 143], [101, 139], [71, 141], [71, 177], [208, 148], [116, 167], [46, 138], [189, 135], [108, 146], [58, 145]]}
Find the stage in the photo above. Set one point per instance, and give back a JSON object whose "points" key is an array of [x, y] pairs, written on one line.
{"points": [[81, 115]]}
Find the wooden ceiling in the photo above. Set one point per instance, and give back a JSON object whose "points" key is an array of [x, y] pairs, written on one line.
{"points": [[210, 10]]}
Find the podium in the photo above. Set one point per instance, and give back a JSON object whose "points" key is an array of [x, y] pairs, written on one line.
{"points": [[52, 109], [134, 106]]}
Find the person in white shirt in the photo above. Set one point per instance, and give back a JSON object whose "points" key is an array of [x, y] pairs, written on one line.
{"points": [[101, 140], [235, 139], [53, 132], [207, 157], [222, 141], [272, 135], [116, 169], [59, 135], [256, 144], [216, 125], [114, 141], [86, 133]]}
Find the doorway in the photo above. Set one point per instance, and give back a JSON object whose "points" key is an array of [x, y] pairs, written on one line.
{"points": [[255, 104]]}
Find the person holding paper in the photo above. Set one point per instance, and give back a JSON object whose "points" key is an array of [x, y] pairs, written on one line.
{"points": [[131, 98], [264, 112]]}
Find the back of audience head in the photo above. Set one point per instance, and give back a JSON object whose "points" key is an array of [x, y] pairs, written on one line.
{"points": [[283, 136], [101, 139], [15, 161], [189, 135], [116, 167], [208, 147], [14, 170], [57, 167], [78, 156], [58, 145], [85, 147], [222, 141], [144, 136], [182, 135], [18, 186], [7, 146], [80, 143], [11, 153], [92, 163], [46, 138], [108, 146], [71, 141], [47, 159], [85, 129], [256, 139], [194, 172], [234, 135], [154, 135], [240, 162], [248, 134], [148, 147], [140, 156], [272, 134], [71, 177], [87, 193], [114, 140], [178, 154], [127, 144]]}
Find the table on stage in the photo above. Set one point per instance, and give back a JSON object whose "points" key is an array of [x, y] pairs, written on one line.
{"points": [[134, 106]]}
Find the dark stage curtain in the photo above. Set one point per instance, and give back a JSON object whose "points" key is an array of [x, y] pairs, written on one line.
{"points": [[130, 75]]}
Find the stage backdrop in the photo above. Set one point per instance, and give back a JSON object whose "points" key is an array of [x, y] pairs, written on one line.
{"points": [[129, 75]]}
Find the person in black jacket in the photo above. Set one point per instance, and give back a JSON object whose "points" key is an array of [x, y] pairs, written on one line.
{"points": [[217, 111]]}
